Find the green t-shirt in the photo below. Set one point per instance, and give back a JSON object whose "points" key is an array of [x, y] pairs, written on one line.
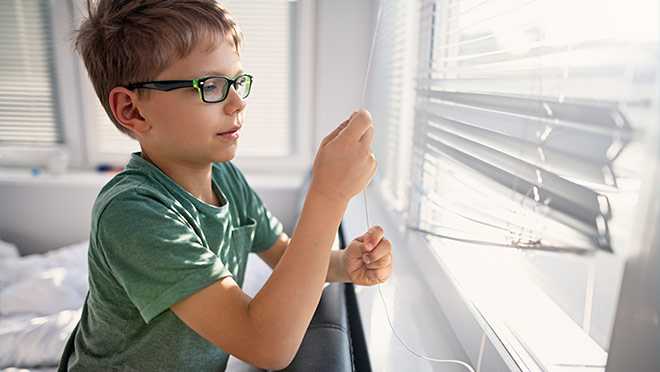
{"points": [[153, 244]]}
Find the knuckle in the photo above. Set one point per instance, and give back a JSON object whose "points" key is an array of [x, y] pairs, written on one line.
{"points": [[363, 151]]}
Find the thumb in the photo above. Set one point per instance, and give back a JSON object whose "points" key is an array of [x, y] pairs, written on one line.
{"points": [[357, 126], [338, 130]]}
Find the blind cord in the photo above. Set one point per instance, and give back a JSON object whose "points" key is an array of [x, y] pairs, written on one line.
{"points": [[366, 211]]}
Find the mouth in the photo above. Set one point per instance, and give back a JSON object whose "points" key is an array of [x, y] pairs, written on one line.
{"points": [[233, 133]]}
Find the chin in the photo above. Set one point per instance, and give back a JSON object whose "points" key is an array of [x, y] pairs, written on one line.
{"points": [[226, 156]]}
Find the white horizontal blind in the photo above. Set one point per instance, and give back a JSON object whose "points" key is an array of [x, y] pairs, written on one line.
{"points": [[526, 129], [529, 132], [107, 139], [28, 105], [391, 87], [268, 55]]}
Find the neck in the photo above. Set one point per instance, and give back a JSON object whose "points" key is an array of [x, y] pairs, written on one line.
{"points": [[194, 178]]}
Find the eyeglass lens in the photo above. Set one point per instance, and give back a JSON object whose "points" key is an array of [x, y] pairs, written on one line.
{"points": [[216, 89]]}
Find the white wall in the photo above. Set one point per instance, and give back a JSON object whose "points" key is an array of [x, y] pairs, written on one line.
{"points": [[344, 33], [42, 212]]}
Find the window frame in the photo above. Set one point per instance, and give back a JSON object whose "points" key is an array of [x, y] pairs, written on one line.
{"points": [[78, 101], [64, 71]]}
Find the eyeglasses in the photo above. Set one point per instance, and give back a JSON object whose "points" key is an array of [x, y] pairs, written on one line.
{"points": [[211, 89]]}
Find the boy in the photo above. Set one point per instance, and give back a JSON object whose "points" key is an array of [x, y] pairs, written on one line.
{"points": [[170, 235]]}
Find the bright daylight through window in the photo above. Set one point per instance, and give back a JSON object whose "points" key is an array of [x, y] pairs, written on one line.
{"points": [[526, 159]]}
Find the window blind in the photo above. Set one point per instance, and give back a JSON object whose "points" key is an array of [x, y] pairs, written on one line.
{"points": [[28, 106], [391, 97], [107, 139], [525, 124], [269, 53], [530, 120]]}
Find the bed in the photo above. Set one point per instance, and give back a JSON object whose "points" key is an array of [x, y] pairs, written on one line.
{"points": [[41, 297], [40, 300]]}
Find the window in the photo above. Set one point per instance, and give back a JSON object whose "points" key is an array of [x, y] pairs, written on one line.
{"points": [[268, 28], [392, 85], [55, 118], [29, 109], [526, 160]]}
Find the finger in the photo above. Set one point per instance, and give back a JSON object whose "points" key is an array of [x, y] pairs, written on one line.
{"points": [[381, 250], [379, 274], [382, 263], [354, 249], [357, 126], [368, 136], [373, 237], [335, 132]]}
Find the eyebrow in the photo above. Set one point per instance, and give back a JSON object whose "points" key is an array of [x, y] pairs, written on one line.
{"points": [[215, 73]]}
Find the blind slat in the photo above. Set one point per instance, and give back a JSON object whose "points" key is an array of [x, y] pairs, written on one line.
{"points": [[563, 199], [28, 105]]}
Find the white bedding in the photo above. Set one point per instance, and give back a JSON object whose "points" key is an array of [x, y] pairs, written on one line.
{"points": [[41, 296], [40, 300]]}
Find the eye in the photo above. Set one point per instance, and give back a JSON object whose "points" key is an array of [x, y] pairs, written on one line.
{"points": [[242, 81], [210, 86]]}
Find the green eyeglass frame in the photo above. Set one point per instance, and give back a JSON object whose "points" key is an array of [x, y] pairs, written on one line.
{"points": [[211, 89]]}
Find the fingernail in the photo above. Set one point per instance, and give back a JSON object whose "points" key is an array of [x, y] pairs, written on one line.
{"points": [[368, 246], [366, 259]]}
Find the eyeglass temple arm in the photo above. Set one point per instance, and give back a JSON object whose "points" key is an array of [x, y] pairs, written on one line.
{"points": [[163, 85]]}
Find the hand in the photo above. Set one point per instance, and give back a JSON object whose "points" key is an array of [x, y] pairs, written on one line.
{"points": [[344, 164], [368, 258]]}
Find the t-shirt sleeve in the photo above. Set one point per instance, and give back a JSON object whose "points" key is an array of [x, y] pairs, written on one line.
{"points": [[154, 253], [268, 227]]}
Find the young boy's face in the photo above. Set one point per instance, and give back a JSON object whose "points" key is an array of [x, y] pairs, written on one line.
{"points": [[182, 128]]}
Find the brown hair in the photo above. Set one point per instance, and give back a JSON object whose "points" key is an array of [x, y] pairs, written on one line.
{"points": [[130, 41]]}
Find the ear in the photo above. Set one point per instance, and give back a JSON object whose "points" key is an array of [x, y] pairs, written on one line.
{"points": [[123, 103]]}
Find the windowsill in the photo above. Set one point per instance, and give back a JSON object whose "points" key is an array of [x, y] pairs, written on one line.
{"points": [[413, 310], [526, 320], [13, 176], [470, 300]]}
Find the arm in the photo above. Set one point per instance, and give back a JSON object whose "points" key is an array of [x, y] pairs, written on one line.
{"points": [[365, 261], [267, 330]]}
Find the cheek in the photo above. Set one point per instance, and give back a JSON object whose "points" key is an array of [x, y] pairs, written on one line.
{"points": [[178, 119]]}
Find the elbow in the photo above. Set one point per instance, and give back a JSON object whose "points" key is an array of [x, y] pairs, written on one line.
{"points": [[277, 358], [279, 363], [275, 362]]}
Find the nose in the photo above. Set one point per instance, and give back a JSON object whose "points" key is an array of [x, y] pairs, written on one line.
{"points": [[234, 103]]}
